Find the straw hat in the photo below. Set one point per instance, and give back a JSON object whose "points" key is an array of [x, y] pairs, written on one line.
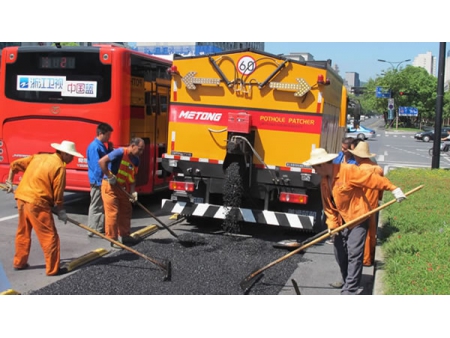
{"points": [[362, 150], [67, 147], [319, 156]]}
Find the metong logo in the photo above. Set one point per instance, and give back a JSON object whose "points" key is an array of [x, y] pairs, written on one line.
{"points": [[199, 115]]}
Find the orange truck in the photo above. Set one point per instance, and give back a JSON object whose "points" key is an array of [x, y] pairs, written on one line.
{"points": [[241, 123]]}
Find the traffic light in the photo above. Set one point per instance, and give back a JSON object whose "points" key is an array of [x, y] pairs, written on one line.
{"points": [[402, 93]]}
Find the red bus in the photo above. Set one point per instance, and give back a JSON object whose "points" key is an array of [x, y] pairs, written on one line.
{"points": [[50, 94]]}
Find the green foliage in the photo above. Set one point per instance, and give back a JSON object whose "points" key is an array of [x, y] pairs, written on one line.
{"points": [[421, 86], [416, 234]]}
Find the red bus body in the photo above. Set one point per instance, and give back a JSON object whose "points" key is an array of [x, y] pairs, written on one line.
{"points": [[50, 94]]}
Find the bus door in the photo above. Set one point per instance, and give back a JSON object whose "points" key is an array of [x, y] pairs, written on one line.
{"points": [[161, 176]]}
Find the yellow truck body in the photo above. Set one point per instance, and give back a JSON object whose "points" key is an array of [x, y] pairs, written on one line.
{"points": [[263, 112]]}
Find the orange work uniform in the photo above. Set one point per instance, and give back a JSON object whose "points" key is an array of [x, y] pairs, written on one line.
{"points": [[373, 196], [41, 188], [118, 208], [347, 190]]}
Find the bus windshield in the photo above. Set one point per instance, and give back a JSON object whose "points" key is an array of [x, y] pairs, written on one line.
{"points": [[62, 77]]}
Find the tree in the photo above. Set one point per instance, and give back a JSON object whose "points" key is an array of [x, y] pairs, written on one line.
{"points": [[420, 86]]}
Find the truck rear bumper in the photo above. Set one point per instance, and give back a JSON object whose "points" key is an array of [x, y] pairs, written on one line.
{"points": [[245, 215]]}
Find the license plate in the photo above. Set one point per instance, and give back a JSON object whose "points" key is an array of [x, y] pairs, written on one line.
{"points": [[197, 200]]}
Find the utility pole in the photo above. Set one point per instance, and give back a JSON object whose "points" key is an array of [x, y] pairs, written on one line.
{"points": [[439, 104]]}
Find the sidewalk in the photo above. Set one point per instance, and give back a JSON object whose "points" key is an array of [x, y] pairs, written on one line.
{"points": [[318, 268]]}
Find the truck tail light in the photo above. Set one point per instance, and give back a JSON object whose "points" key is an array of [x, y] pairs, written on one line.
{"points": [[293, 198], [179, 185]]}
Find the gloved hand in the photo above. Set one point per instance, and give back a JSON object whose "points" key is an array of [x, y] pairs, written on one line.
{"points": [[9, 186], [398, 194], [330, 234], [62, 216], [134, 197], [112, 180]]}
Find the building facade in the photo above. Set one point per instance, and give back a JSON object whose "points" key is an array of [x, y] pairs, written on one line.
{"points": [[426, 61], [192, 48], [351, 80], [299, 56]]}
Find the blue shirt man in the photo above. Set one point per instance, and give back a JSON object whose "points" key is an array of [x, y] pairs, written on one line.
{"points": [[95, 151], [344, 155]]}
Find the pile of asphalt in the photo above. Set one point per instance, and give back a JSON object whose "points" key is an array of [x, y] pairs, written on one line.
{"points": [[216, 266]]}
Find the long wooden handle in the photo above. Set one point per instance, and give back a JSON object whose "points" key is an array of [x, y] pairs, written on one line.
{"points": [[85, 227], [328, 234], [151, 214]]}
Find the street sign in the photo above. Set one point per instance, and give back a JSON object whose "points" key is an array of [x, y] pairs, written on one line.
{"points": [[382, 93], [391, 114], [391, 104], [408, 111]]}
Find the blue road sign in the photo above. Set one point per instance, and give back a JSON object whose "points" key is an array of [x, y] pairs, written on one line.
{"points": [[408, 111], [382, 93]]}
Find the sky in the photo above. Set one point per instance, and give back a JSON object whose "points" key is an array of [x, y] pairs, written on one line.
{"points": [[360, 57], [353, 36]]}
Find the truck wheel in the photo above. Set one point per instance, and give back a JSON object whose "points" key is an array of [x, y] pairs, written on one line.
{"points": [[233, 191]]}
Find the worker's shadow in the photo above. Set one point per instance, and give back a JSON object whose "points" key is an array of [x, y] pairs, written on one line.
{"points": [[120, 256]]}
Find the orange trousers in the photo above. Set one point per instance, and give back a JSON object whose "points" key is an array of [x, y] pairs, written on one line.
{"points": [[118, 211], [371, 241], [41, 220]]}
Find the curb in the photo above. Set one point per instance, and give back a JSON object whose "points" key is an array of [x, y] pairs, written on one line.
{"points": [[378, 272]]}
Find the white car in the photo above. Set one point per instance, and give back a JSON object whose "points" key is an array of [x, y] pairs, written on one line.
{"points": [[362, 132]]}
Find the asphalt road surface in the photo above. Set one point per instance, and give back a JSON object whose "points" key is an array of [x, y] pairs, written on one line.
{"points": [[215, 266]]}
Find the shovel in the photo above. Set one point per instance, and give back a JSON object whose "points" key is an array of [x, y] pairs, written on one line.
{"points": [[251, 279], [187, 240], [165, 267]]}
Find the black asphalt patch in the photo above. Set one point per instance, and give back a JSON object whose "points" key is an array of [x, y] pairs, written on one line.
{"points": [[214, 268]]}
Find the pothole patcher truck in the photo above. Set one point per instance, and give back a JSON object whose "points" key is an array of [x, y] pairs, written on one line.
{"points": [[241, 124]]}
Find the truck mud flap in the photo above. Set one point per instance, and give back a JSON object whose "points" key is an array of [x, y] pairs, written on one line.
{"points": [[245, 215]]}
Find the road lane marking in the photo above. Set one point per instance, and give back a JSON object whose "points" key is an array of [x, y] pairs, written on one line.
{"points": [[8, 217]]}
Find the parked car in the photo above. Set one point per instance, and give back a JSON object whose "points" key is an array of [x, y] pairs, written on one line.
{"points": [[427, 136], [362, 132]]}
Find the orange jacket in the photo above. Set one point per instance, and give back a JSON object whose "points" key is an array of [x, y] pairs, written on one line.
{"points": [[372, 195], [348, 185], [43, 181]]}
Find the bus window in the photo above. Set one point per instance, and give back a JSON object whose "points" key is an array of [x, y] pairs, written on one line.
{"points": [[38, 76]]}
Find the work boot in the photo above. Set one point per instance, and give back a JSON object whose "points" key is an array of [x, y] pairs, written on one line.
{"points": [[26, 266], [337, 285], [128, 240], [91, 234], [61, 271], [115, 246]]}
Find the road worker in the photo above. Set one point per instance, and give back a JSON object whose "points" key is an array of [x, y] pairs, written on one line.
{"points": [[95, 151], [343, 198], [363, 157], [120, 168], [41, 190], [344, 156]]}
